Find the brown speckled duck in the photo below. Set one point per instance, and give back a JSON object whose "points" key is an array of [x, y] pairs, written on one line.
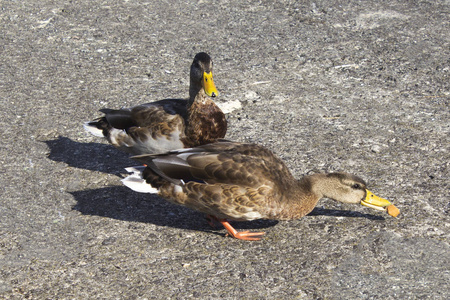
{"points": [[167, 124], [243, 182]]}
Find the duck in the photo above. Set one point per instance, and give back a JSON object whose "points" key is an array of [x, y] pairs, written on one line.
{"points": [[168, 124], [232, 181]]}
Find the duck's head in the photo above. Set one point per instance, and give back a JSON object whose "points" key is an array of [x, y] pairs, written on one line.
{"points": [[202, 75], [348, 188]]}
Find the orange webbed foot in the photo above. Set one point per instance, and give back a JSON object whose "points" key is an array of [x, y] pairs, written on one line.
{"points": [[244, 235]]}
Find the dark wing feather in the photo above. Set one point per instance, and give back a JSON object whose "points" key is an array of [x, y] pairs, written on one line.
{"points": [[223, 162], [173, 106], [156, 112], [143, 115], [230, 168], [120, 119]]}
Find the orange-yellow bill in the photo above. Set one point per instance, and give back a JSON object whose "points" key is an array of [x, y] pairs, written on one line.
{"points": [[208, 85], [379, 203]]}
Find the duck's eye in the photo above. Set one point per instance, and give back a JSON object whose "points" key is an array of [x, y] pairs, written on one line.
{"points": [[356, 186]]}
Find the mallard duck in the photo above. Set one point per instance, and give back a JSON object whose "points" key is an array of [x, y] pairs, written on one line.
{"points": [[167, 124], [243, 182]]}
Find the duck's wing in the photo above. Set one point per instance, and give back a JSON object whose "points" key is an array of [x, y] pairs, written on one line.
{"points": [[145, 115], [246, 165], [148, 128]]}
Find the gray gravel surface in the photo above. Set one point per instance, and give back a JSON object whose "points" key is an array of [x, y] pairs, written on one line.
{"points": [[356, 86]]}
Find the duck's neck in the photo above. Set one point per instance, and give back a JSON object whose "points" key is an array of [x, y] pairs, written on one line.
{"points": [[301, 197], [195, 89], [199, 97]]}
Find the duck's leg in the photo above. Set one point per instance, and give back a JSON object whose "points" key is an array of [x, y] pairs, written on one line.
{"points": [[245, 235]]}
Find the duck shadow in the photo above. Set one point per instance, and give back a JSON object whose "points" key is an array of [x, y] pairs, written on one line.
{"points": [[122, 204], [343, 213], [90, 156]]}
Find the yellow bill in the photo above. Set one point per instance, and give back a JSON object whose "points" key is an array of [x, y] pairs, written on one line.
{"points": [[379, 203], [208, 85]]}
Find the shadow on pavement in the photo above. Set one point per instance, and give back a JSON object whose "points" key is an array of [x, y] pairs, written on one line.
{"points": [[123, 204], [343, 213], [90, 156]]}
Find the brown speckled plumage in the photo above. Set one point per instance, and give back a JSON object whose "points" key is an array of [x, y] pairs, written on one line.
{"points": [[241, 182], [167, 124], [206, 123]]}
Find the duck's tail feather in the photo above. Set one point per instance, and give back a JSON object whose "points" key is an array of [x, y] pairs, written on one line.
{"points": [[93, 128], [136, 182]]}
